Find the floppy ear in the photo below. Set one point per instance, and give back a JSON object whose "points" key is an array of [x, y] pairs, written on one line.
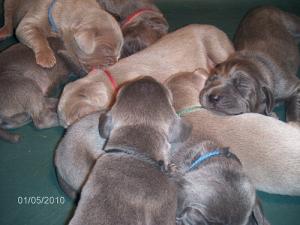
{"points": [[85, 40], [105, 125], [159, 24], [179, 131], [257, 217], [191, 216], [269, 100]]}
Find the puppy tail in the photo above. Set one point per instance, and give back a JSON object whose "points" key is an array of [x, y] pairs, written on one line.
{"points": [[292, 23], [6, 136]]}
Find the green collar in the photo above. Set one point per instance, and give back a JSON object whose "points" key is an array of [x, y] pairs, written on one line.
{"points": [[188, 110]]}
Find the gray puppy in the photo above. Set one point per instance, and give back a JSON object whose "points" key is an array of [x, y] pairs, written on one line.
{"points": [[213, 188], [263, 69], [77, 152], [126, 185], [268, 148], [25, 87]]}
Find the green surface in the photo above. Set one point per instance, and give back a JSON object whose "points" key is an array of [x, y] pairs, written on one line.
{"points": [[26, 169]]}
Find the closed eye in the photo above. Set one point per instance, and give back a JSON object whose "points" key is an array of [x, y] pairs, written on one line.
{"points": [[213, 78]]}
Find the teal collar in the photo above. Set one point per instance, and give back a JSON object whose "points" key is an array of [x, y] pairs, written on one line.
{"points": [[222, 152], [188, 110]]}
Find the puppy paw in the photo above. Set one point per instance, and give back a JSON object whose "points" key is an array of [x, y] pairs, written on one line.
{"points": [[46, 58], [5, 32]]}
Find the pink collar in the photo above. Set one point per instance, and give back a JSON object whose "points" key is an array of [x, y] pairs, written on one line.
{"points": [[135, 14], [109, 76], [111, 79]]}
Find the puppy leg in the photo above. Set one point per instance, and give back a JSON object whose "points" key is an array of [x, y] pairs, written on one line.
{"points": [[12, 138], [7, 30], [293, 108], [15, 121], [34, 37]]}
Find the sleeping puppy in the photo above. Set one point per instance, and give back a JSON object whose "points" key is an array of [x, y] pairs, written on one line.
{"points": [[77, 152], [186, 49], [126, 185], [268, 148], [263, 70], [25, 87], [89, 33], [142, 23], [213, 188]]}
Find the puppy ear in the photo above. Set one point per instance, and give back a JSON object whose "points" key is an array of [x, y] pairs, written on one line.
{"points": [[179, 131], [159, 24], [257, 217], [191, 216], [269, 100], [85, 40], [105, 125]]}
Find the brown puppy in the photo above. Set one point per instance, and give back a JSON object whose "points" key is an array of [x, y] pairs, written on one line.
{"points": [[89, 33], [141, 21], [262, 71], [126, 185], [213, 188], [77, 152], [24, 87], [267, 147], [186, 49]]}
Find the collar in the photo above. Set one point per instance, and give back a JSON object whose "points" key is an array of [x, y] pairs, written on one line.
{"points": [[110, 77], [50, 17], [141, 157], [188, 110], [135, 14], [215, 153]]}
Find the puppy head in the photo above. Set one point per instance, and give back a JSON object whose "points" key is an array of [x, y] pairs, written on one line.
{"points": [[80, 98], [143, 31], [233, 88], [145, 105], [217, 192], [96, 42]]}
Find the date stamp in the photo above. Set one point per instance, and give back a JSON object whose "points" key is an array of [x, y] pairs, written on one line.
{"points": [[40, 200]]}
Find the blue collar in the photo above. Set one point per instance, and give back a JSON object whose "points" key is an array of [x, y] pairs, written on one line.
{"points": [[217, 152], [50, 17]]}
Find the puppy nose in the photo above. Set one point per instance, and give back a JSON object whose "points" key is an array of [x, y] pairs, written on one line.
{"points": [[214, 98]]}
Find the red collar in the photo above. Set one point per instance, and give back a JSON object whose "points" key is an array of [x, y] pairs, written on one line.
{"points": [[135, 14], [110, 77]]}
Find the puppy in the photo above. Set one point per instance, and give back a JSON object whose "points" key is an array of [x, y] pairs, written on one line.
{"points": [[127, 180], [186, 49], [213, 188], [267, 147], [89, 33], [77, 152], [25, 87], [141, 21], [263, 70]]}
